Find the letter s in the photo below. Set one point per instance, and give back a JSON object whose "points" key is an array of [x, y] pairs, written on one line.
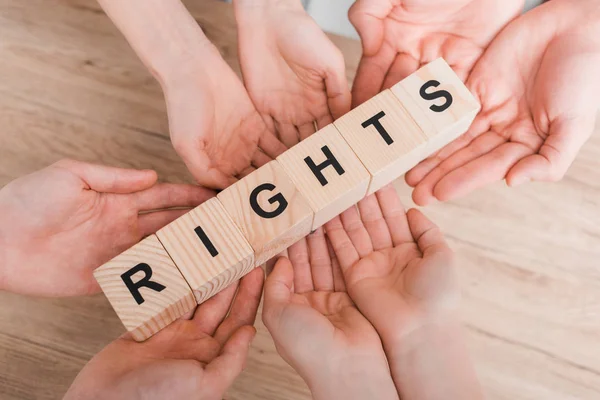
{"points": [[438, 94]]}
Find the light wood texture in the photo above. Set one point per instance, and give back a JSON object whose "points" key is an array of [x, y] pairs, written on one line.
{"points": [[339, 189], [207, 268], [441, 120], [287, 219], [156, 308], [70, 86], [389, 155]]}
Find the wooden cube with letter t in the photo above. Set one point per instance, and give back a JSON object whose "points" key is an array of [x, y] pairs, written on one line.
{"points": [[327, 173], [145, 288], [384, 137], [269, 210], [439, 102], [208, 248]]}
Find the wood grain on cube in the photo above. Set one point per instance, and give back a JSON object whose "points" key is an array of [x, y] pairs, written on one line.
{"points": [[208, 248], [327, 173], [269, 210], [439, 102], [384, 137], [158, 293]]}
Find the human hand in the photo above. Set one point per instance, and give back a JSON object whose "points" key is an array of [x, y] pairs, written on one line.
{"points": [[398, 270], [197, 358], [399, 36], [60, 223], [539, 103], [294, 74], [214, 126], [318, 330]]}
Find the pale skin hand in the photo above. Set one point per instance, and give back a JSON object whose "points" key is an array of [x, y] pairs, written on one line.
{"points": [[214, 126], [399, 36], [62, 222], [539, 102], [190, 359], [319, 331], [398, 270], [294, 74]]}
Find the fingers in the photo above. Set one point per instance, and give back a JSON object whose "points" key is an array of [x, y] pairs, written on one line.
{"points": [[202, 170], [367, 17], [357, 232], [320, 261], [339, 283], [483, 144], [270, 145], [106, 179], [258, 160], [403, 66], [299, 258], [287, 133], [168, 195], [394, 215], [224, 369], [245, 305], [307, 130], [427, 235], [212, 312], [339, 98], [149, 223], [278, 292], [374, 223], [484, 170], [556, 154], [371, 74], [344, 249]]}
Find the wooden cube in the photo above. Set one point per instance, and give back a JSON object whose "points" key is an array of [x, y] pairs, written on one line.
{"points": [[269, 210], [327, 172], [145, 288], [439, 102], [208, 248], [384, 137]]}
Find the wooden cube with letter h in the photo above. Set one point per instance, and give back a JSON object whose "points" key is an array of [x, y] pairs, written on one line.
{"points": [[269, 210], [327, 173], [145, 288]]}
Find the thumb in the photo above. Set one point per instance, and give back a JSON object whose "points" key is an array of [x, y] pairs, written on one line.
{"points": [[102, 178], [367, 17], [278, 291], [565, 139], [223, 370]]}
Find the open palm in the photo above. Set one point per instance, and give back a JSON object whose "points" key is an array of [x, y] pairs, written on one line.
{"points": [[197, 358], [294, 74], [400, 256], [539, 103], [77, 216], [214, 126], [399, 36], [317, 328]]}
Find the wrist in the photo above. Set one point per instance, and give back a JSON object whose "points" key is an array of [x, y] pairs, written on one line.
{"points": [[435, 352], [358, 378]]}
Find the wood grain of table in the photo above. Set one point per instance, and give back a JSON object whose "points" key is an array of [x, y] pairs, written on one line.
{"points": [[70, 86]]}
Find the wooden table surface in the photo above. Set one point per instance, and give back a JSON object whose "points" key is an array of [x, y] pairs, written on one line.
{"points": [[70, 86]]}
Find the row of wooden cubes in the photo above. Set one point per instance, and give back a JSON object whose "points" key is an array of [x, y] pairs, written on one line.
{"points": [[193, 258]]}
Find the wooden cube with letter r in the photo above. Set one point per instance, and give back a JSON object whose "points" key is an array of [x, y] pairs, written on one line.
{"points": [[145, 288], [269, 210]]}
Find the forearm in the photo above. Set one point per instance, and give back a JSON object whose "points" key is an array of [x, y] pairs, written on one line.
{"points": [[162, 33], [433, 363]]}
